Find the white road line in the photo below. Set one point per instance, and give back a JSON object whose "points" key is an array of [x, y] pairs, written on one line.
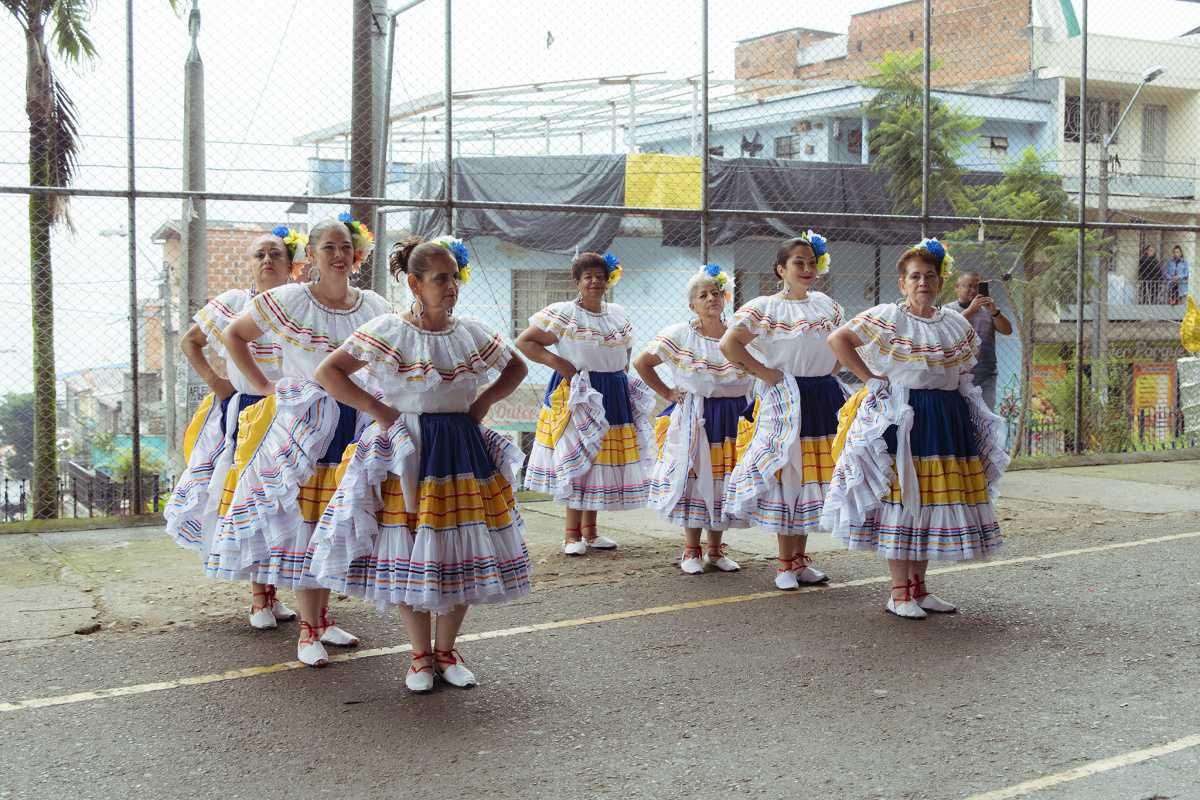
{"points": [[1089, 769], [616, 616]]}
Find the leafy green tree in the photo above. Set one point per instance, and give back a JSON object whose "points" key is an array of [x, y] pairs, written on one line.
{"points": [[16, 431], [895, 136], [1041, 259]]}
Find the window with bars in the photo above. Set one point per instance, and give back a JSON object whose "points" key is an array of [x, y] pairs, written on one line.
{"points": [[1154, 140], [786, 147], [1102, 116], [534, 289]]}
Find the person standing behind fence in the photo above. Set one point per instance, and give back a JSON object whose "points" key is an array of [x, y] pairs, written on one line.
{"points": [[1150, 276], [594, 442], [780, 480], [286, 466], [919, 453], [208, 443], [987, 320], [1176, 270], [697, 433], [424, 517]]}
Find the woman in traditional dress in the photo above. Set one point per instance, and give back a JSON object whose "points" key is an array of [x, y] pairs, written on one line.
{"points": [[781, 478], [594, 441], [294, 439], [209, 441], [697, 432], [424, 518], [921, 454]]}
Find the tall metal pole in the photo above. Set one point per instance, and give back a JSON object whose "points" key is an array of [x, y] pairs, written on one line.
{"points": [[130, 154], [447, 88], [1080, 250], [1100, 291], [168, 364], [704, 157], [382, 245], [927, 36], [193, 230]]}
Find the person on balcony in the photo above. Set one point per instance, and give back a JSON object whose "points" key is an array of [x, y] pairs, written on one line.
{"points": [[1150, 275], [1176, 270]]}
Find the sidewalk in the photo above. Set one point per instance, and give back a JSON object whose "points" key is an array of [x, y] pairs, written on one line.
{"points": [[67, 583]]}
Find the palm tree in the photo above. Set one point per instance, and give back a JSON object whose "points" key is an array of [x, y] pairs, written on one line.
{"points": [[53, 146]]}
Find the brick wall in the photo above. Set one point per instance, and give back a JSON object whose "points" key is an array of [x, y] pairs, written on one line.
{"points": [[976, 41]]}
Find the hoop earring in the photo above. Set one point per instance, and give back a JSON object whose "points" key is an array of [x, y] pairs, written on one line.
{"points": [[417, 309], [314, 274]]}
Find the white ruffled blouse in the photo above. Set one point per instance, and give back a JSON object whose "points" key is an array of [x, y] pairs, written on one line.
{"points": [[697, 364], [216, 316], [421, 371], [307, 330], [914, 351], [589, 340], [791, 334]]}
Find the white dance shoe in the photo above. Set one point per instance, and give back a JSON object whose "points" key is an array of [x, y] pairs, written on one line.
{"points": [[690, 562], [419, 679], [908, 609], [309, 649], [333, 635], [262, 619], [931, 602], [452, 670], [601, 543], [575, 548]]}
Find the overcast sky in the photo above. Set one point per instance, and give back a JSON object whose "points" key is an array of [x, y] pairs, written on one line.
{"points": [[276, 69]]}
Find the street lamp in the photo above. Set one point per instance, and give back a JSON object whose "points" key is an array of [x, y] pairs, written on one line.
{"points": [[1100, 289]]}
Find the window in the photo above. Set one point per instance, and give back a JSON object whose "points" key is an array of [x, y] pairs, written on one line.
{"points": [[785, 146], [1102, 118], [1154, 140], [534, 289]]}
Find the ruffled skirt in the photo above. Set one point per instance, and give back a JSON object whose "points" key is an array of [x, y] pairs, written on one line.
{"points": [[285, 472], [781, 478], [208, 444], [594, 444], [918, 475], [427, 520], [697, 436]]}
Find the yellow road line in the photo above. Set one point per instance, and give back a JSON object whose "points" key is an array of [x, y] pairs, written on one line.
{"points": [[616, 616], [1087, 770]]}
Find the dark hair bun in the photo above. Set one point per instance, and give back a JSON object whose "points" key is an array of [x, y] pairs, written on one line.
{"points": [[401, 253]]}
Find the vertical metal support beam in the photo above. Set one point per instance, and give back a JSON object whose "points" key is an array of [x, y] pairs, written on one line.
{"points": [[631, 130], [704, 156], [612, 147], [694, 139], [131, 172], [925, 68], [379, 277], [447, 88], [547, 133], [193, 229], [1080, 249]]}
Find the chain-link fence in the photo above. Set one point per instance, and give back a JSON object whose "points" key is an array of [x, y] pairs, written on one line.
{"points": [[673, 134]]}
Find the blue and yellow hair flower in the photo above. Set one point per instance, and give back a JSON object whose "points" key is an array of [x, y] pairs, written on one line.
{"points": [[820, 248], [462, 257], [612, 266], [721, 278], [360, 235], [293, 241], [941, 257]]}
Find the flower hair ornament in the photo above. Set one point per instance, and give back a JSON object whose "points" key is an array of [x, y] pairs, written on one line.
{"points": [[293, 241], [721, 278], [462, 257], [943, 259], [820, 248], [612, 267], [360, 236]]}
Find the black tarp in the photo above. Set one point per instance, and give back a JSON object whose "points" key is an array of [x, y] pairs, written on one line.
{"points": [[589, 180], [766, 184]]}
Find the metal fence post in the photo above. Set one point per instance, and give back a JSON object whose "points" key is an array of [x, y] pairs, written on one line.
{"points": [[136, 424], [1080, 249], [448, 87], [928, 39], [704, 162]]}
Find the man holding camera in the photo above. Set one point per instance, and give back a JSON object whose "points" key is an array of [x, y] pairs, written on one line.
{"points": [[975, 303]]}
